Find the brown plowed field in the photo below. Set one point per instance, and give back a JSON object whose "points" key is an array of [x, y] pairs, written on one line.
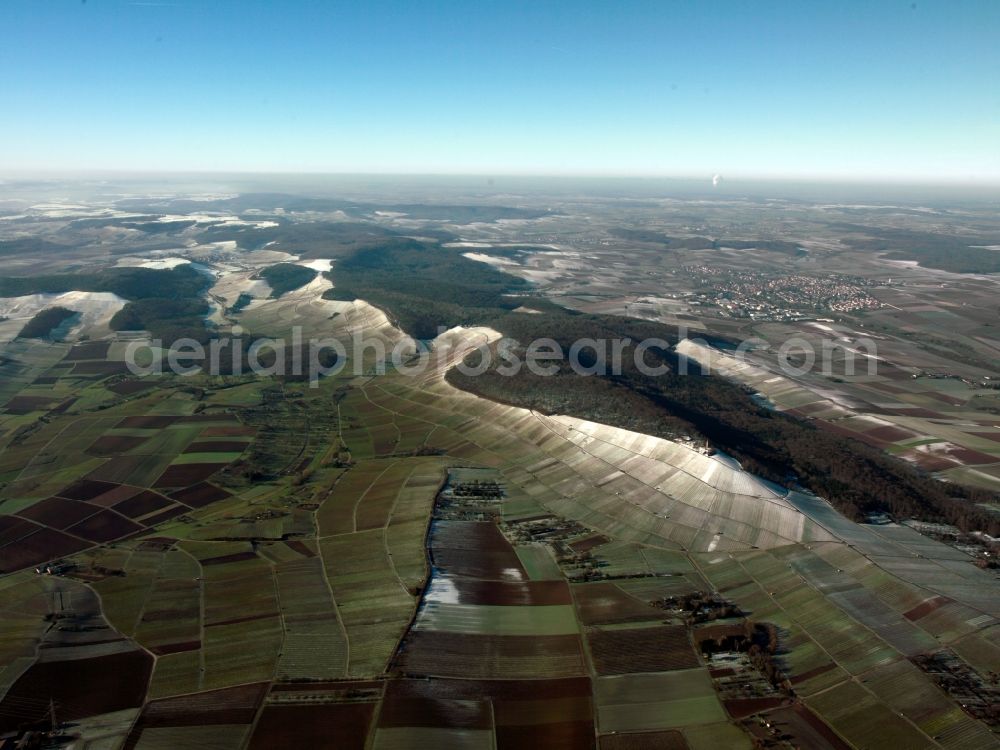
{"points": [[656, 649]]}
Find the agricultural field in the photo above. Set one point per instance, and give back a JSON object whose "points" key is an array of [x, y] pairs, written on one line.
{"points": [[480, 614], [382, 560], [942, 425], [525, 576]]}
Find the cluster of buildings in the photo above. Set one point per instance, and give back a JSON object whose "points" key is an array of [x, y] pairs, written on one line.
{"points": [[750, 294]]}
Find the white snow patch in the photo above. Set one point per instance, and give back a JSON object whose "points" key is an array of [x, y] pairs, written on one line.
{"points": [[318, 264], [163, 263], [96, 310], [492, 260]]}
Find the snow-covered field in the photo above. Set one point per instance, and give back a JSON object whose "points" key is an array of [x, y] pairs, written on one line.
{"points": [[317, 264], [491, 259], [155, 263], [96, 309]]}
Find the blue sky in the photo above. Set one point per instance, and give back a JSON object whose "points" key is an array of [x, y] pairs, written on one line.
{"points": [[854, 90]]}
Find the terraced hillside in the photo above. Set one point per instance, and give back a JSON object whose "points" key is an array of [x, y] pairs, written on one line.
{"points": [[628, 485]]}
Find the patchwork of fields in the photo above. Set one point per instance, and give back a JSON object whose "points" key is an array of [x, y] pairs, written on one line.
{"points": [[942, 425], [240, 563]]}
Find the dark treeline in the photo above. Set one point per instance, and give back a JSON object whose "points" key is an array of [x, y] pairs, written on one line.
{"points": [[287, 277], [944, 252], [162, 227], [266, 203], [654, 237], [46, 322], [130, 283], [30, 246], [166, 319], [169, 304], [855, 477], [241, 302], [424, 286], [321, 239]]}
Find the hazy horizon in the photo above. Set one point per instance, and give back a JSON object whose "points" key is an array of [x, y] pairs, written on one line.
{"points": [[496, 189]]}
